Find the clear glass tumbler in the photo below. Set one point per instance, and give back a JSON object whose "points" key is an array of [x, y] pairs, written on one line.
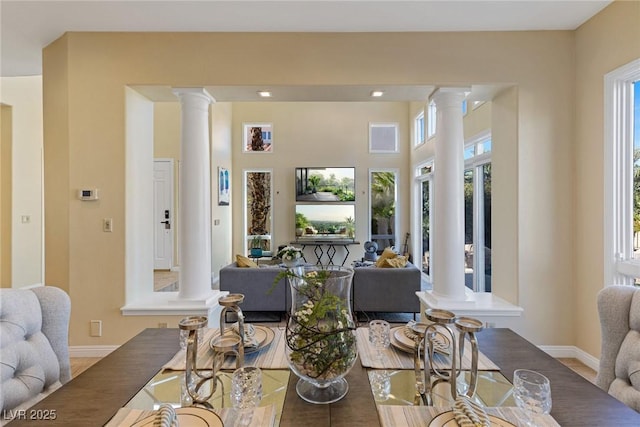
{"points": [[532, 393], [379, 336], [246, 387]]}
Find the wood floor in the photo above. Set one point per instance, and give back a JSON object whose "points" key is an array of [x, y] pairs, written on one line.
{"points": [[79, 364]]}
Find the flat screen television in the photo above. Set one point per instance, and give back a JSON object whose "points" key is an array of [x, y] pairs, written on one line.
{"points": [[325, 185], [325, 220]]}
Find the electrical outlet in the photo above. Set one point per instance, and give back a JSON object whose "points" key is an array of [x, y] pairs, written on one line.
{"points": [[107, 225], [162, 325], [95, 328]]}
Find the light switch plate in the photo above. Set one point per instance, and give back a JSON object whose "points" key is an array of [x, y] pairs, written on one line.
{"points": [[96, 328]]}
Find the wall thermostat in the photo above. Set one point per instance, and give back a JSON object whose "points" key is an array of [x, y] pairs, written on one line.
{"points": [[88, 194]]}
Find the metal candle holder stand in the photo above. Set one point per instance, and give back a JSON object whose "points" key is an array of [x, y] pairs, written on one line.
{"points": [[425, 336], [232, 303], [223, 345], [194, 325]]}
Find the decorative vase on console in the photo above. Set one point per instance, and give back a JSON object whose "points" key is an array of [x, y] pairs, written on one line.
{"points": [[320, 336], [290, 256]]}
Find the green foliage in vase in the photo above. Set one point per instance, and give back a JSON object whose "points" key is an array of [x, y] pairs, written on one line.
{"points": [[320, 333]]}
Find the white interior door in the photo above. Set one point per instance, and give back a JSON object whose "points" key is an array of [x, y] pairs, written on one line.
{"points": [[163, 214]]}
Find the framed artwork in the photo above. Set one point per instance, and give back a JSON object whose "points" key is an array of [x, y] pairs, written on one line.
{"points": [[224, 186], [257, 137]]}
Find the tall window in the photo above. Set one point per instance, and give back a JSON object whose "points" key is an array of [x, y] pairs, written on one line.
{"points": [[636, 170], [622, 175], [383, 202], [418, 136], [258, 202], [477, 213], [425, 176], [431, 119]]}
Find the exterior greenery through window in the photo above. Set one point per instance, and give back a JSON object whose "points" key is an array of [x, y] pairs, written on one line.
{"points": [[425, 176], [383, 208], [477, 213], [636, 170]]}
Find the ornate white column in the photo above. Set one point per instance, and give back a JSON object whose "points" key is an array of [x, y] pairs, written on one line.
{"points": [[195, 197], [448, 204]]}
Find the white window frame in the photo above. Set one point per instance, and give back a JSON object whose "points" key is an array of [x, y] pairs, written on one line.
{"points": [[619, 266], [476, 163], [431, 119], [419, 132], [420, 178]]}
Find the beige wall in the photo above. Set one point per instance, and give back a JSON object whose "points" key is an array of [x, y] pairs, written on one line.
{"points": [[323, 134], [606, 42], [86, 143], [5, 194], [24, 95], [478, 120]]}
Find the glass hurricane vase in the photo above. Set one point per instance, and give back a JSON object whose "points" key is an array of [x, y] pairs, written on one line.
{"points": [[321, 340]]}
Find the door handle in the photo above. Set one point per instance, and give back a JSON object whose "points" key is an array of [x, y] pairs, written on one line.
{"points": [[167, 224]]}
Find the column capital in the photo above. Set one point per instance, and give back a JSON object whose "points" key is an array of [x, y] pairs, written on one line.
{"points": [[199, 92], [445, 95]]}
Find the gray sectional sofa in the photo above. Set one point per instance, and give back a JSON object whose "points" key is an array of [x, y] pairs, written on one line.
{"points": [[254, 284], [374, 289], [387, 289]]}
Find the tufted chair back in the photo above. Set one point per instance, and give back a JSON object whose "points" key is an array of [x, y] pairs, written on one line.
{"points": [[619, 371], [34, 352]]}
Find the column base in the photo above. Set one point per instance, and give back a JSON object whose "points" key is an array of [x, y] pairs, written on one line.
{"points": [[474, 305], [168, 304]]}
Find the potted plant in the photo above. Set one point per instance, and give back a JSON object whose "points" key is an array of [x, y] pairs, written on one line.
{"points": [[256, 246], [351, 227], [301, 223]]}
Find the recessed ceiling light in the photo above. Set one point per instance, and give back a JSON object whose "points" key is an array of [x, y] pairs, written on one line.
{"points": [[377, 93], [264, 93]]}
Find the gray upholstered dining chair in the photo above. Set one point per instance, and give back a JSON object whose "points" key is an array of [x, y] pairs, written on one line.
{"points": [[34, 345], [619, 370]]}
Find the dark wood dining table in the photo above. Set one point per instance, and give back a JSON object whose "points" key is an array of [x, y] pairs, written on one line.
{"points": [[94, 396]]}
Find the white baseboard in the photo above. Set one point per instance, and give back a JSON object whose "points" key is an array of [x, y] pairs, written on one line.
{"points": [[569, 351], [91, 350]]}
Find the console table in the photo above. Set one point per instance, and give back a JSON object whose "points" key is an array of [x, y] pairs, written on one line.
{"points": [[331, 250]]}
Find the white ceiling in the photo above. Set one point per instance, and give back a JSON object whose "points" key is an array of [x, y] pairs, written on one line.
{"points": [[28, 26]]}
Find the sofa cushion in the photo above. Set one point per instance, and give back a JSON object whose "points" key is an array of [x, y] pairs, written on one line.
{"points": [[397, 262], [388, 253], [243, 261]]}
